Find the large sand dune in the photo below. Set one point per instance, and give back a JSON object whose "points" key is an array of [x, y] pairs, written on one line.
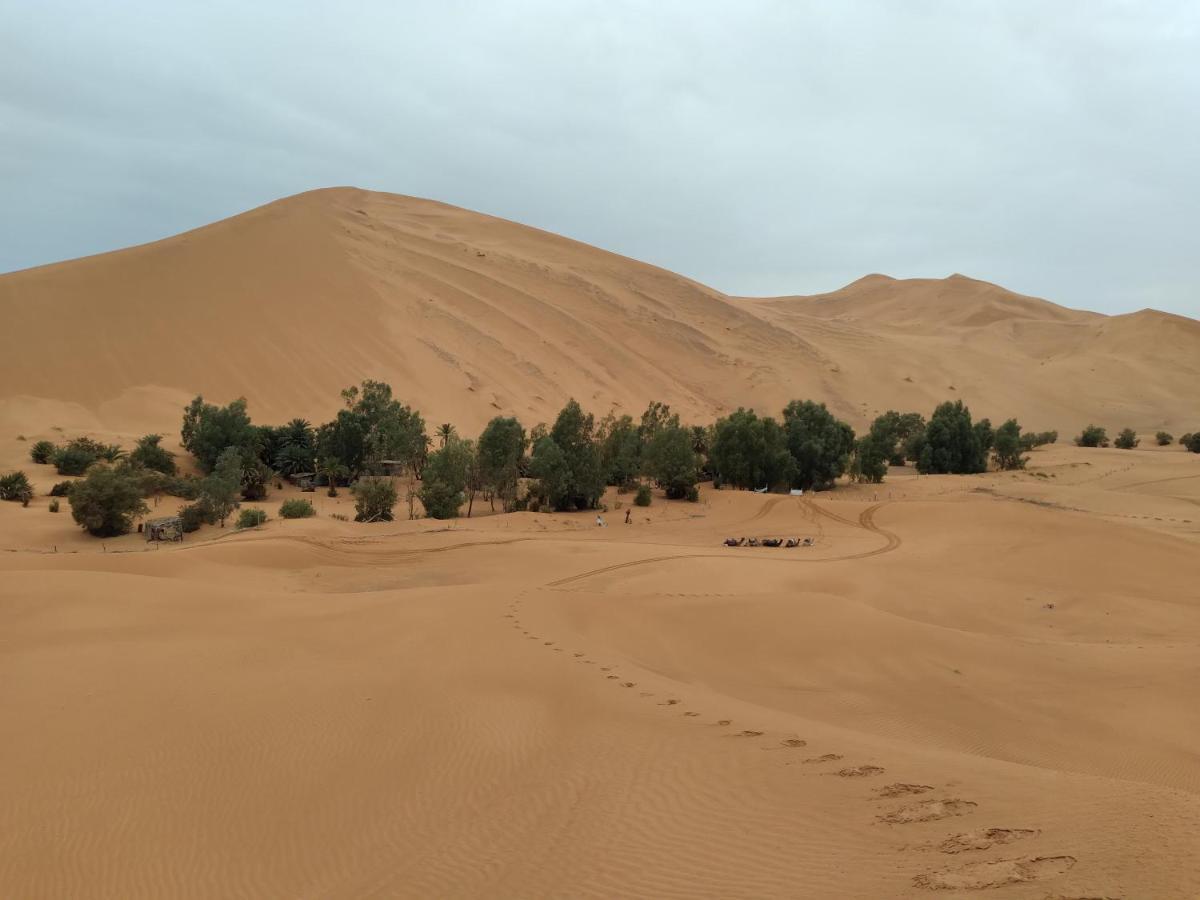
{"points": [[968, 686], [468, 316]]}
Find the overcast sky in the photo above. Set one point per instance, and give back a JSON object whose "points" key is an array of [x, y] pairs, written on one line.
{"points": [[760, 147]]}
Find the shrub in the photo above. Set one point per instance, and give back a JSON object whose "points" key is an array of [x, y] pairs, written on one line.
{"points": [[1127, 439], [251, 518], [1186, 439], [62, 489], [692, 495], [1092, 436], [107, 501], [193, 516], [643, 495], [374, 499], [186, 487], [1006, 442], [54, 505], [150, 455], [75, 457], [16, 487], [1193, 443], [296, 508], [1163, 438], [42, 452], [446, 478]]}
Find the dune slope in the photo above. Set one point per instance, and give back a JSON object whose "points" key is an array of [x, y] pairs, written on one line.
{"points": [[469, 316]]}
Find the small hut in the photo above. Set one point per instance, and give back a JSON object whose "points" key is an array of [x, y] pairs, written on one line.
{"points": [[306, 481], [168, 528]]}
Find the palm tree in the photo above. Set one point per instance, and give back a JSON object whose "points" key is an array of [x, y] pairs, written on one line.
{"points": [[445, 432]]}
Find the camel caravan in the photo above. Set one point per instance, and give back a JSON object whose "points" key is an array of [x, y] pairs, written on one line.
{"points": [[769, 542]]}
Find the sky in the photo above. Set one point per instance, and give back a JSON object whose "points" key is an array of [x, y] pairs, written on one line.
{"points": [[763, 148]]}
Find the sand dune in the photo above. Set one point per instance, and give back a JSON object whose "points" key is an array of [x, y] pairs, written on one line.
{"points": [[469, 316], [967, 686], [967, 682]]}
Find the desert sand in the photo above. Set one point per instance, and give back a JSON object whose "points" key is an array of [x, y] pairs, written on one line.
{"points": [[968, 686]]}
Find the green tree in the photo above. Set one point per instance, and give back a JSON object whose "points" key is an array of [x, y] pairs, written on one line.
{"points": [[501, 447], [819, 443], [583, 484], [149, 454], [620, 450], [208, 430], [293, 459], [749, 452], [446, 479], [1092, 436], [1193, 443], [671, 461], [871, 454], [218, 492], [1007, 446], [1163, 438], [372, 428], [984, 435], [951, 444], [107, 501], [548, 466], [445, 431], [1126, 440], [75, 457]]}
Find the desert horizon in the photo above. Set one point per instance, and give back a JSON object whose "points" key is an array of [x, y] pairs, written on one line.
{"points": [[728, 453]]}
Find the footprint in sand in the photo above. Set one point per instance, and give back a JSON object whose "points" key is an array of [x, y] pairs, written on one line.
{"points": [[548, 643], [606, 668], [900, 789], [670, 702], [628, 684], [793, 742], [997, 873], [985, 839], [860, 772], [577, 655], [748, 734], [828, 757], [724, 722], [691, 713], [927, 811]]}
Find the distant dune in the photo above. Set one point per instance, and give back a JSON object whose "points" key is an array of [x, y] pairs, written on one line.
{"points": [[469, 316]]}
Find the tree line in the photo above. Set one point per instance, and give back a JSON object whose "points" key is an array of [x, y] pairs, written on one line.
{"points": [[563, 466]]}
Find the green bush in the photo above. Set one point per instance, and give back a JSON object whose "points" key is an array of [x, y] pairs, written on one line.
{"points": [[16, 487], [1092, 436], [193, 516], [374, 499], [251, 518], [1164, 438], [186, 487], [296, 508], [1186, 439], [643, 495], [692, 495], [54, 505], [107, 500], [1006, 444], [1193, 443], [42, 452], [75, 457], [149, 455], [62, 489], [1127, 439]]}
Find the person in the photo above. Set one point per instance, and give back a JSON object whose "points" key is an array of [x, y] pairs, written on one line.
{"points": [[628, 514]]}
